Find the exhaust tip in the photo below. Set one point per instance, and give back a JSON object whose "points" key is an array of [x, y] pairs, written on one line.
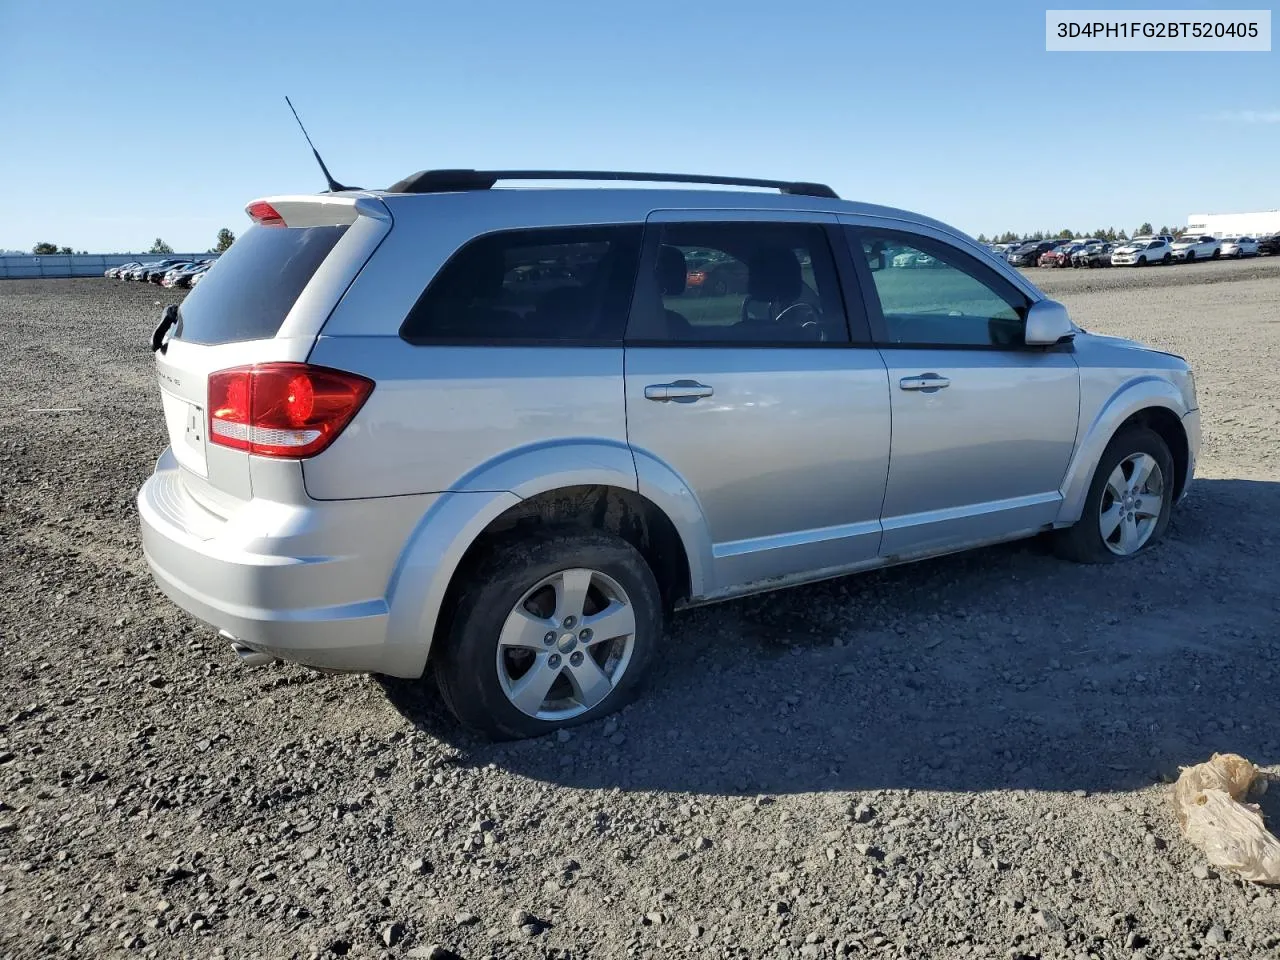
{"points": [[248, 656]]}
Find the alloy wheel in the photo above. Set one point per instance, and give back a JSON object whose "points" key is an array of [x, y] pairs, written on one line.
{"points": [[566, 644], [1131, 504]]}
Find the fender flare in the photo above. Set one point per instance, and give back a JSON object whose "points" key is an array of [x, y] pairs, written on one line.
{"points": [[1133, 396], [437, 545]]}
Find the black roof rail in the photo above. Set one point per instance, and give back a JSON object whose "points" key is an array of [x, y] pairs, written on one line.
{"points": [[442, 181]]}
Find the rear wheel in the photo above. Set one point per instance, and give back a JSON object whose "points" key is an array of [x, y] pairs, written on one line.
{"points": [[1217, 252], [550, 632], [1129, 501]]}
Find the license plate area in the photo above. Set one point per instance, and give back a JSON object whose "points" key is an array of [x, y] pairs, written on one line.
{"points": [[185, 422]]}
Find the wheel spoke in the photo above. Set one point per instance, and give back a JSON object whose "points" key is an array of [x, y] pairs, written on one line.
{"points": [[523, 629], [1130, 538], [530, 691], [571, 593], [1142, 467], [615, 620], [1109, 520], [1116, 483], [590, 684], [1148, 506]]}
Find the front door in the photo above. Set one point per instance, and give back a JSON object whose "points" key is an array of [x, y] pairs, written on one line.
{"points": [[983, 426], [743, 380]]}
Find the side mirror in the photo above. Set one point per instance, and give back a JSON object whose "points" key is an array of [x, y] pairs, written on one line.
{"points": [[1047, 324]]}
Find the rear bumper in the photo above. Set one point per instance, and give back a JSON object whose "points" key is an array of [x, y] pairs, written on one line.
{"points": [[303, 583]]}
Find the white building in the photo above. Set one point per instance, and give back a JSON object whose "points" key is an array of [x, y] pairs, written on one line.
{"points": [[1235, 224]]}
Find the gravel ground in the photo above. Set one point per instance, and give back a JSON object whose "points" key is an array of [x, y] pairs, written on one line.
{"points": [[966, 757]]}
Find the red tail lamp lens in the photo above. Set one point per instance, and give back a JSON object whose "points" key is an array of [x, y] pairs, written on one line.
{"points": [[289, 410]]}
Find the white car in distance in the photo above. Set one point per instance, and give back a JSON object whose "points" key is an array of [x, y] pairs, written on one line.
{"points": [[1238, 247], [1141, 251], [1203, 247]]}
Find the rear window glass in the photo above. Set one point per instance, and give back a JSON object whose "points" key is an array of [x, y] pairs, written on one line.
{"points": [[250, 290], [567, 284]]}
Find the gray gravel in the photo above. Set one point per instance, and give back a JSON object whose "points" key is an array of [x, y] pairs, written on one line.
{"points": [[961, 758]]}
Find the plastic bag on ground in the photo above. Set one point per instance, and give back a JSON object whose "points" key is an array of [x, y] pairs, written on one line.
{"points": [[1209, 801]]}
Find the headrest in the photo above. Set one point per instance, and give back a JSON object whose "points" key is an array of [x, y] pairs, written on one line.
{"points": [[673, 272], [773, 274]]}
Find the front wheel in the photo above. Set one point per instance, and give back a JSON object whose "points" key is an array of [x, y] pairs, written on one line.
{"points": [[1217, 253], [1129, 501], [1142, 261], [1191, 255], [1167, 259], [549, 632]]}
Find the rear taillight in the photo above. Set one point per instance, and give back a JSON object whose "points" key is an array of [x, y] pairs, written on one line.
{"points": [[695, 278], [289, 410], [264, 214]]}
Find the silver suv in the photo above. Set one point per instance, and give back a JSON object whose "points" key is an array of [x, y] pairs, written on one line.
{"points": [[505, 432]]}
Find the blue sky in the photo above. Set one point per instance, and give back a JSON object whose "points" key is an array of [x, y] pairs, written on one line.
{"points": [[124, 122]]}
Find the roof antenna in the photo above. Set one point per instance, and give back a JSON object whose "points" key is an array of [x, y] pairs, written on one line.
{"points": [[334, 185]]}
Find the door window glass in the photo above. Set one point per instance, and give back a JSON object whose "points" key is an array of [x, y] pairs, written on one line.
{"points": [[931, 294], [741, 283]]}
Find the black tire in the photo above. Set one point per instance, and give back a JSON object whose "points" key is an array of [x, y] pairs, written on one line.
{"points": [[1083, 542], [1142, 261], [1167, 259], [1217, 252], [1191, 255], [466, 668]]}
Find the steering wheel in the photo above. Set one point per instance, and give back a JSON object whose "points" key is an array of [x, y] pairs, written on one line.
{"points": [[813, 325]]}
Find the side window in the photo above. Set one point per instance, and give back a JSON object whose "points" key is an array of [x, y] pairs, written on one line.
{"points": [[933, 294], [563, 284], [765, 283]]}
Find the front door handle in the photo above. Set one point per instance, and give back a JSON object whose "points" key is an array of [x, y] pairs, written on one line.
{"points": [[928, 382], [679, 391]]}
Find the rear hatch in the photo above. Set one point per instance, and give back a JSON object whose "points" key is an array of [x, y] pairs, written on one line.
{"points": [[264, 301]]}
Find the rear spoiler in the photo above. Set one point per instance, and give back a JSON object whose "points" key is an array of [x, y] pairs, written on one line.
{"points": [[310, 210]]}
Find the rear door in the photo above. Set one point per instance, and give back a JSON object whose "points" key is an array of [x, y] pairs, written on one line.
{"points": [[983, 426], [263, 300], [742, 378]]}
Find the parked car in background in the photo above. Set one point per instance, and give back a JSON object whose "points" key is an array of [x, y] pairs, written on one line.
{"points": [[1141, 251], [1054, 256], [143, 270], [1028, 255], [338, 491], [157, 276], [1269, 245], [710, 274], [1237, 247], [1203, 247], [116, 272], [180, 275], [1094, 253], [1061, 256]]}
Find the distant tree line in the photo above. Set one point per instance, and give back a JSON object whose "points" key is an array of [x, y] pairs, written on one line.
{"points": [[1102, 233], [222, 244]]}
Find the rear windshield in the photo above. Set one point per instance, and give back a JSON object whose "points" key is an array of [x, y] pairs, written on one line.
{"points": [[251, 288]]}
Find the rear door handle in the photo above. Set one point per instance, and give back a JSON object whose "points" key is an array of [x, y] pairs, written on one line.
{"points": [[679, 391], [928, 382]]}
